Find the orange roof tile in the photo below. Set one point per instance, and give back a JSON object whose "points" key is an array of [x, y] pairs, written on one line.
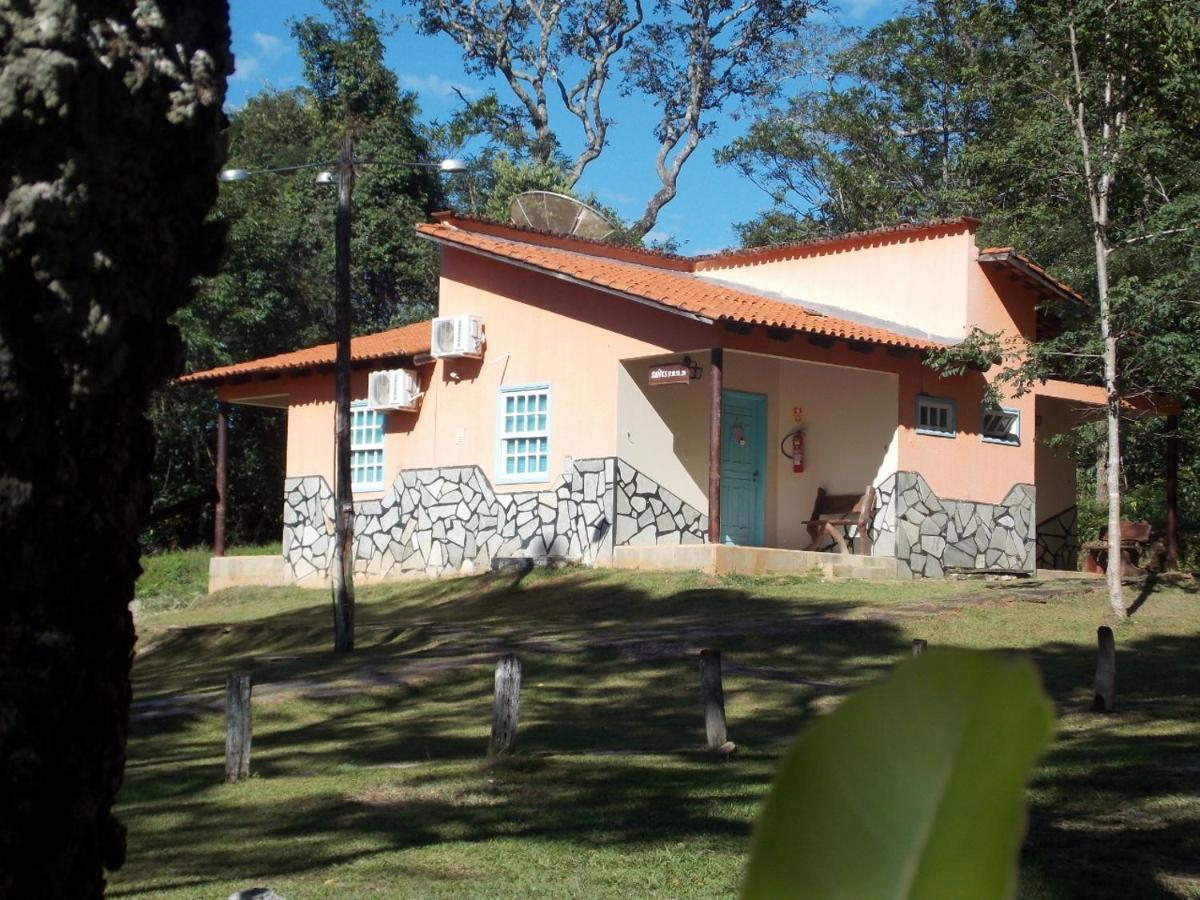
{"points": [[671, 289], [408, 340]]}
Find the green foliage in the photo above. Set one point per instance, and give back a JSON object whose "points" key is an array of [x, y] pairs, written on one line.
{"points": [[879, 138], [911, 788], [175, 579], [977, 352], [274, 291], [343, 66]]}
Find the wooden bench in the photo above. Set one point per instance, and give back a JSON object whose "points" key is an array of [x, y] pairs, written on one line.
{"points": [[834, 515], [1134, 538]]}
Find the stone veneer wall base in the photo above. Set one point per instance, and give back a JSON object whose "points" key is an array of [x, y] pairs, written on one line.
{"points": [[434, 522], [929, 534]]}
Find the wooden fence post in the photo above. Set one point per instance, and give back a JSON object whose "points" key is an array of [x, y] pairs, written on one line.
{"points": [[713, 696], [919, 646], [1106, 670], [505, 706], [237, 727]]}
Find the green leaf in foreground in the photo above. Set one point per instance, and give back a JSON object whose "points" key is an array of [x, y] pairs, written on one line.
{"points": [[912, 788]]}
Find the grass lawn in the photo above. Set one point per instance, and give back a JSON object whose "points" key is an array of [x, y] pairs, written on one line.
{"points": [[177, 578], [368, 779]]}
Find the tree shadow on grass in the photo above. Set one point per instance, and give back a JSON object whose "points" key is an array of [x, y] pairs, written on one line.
{"points": [[1116, 805], [611, 673], [608, 747]]}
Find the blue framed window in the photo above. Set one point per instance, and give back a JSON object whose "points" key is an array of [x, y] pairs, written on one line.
{"points": [[936, 416], [523, 429], [366, 448], [1001, 425]]}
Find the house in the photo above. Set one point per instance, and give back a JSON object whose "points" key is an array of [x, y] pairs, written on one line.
{"points": [[619, 406]]}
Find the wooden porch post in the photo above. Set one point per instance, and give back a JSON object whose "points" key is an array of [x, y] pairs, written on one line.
{"points": [[714, 445], [222, 466], [1172, 486]]}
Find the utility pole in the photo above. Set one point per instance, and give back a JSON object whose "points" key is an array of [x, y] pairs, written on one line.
{"points": [[342, 575]]}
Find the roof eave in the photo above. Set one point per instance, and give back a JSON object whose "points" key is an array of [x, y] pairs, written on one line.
{"points": [[1024, 268]]}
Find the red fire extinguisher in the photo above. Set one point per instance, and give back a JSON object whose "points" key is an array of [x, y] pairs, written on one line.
{"points": [[798, 451]]}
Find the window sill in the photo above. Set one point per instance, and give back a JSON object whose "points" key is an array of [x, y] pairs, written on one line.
{"points": [[942, 434]]}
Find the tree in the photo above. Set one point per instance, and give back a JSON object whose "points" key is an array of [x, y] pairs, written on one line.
{"points": [[531, 44], [880, 138], [273, 294], [109, 149], [1115, 84], [691, 58]]}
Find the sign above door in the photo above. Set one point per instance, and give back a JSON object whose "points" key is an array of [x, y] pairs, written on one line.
{"points": [[674, 373]]}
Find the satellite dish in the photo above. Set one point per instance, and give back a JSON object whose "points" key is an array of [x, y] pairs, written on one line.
{"points": [[548, 211]]}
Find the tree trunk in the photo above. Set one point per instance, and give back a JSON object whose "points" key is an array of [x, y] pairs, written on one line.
{"points": [[1113, 420], [1171, 465], [342, 575], [109, 150], [1101, 472]]}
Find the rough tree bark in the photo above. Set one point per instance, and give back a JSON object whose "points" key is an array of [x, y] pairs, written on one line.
{"points": [[110, 117], [1099, 167]]}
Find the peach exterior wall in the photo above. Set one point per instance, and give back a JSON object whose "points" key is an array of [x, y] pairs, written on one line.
{"points": [[545, 329], [1055, 467], [920, 282], [557, 332]]}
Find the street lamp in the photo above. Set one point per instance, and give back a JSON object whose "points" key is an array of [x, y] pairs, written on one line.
{"points": [[342, 174]]}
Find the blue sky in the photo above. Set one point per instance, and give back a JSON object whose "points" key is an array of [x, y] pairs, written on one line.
{"points": [[711, 198]]}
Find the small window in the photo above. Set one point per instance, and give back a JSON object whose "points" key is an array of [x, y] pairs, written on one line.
{"points": [[1001, 425], [366, 448], [524, 431], [935, 415]]}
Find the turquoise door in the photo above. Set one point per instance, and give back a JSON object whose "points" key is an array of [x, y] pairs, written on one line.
{"points": [[743, 467]]}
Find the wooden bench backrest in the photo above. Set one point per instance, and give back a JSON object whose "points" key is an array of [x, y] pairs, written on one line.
{"points": [[841, 506], [1130, 531]]}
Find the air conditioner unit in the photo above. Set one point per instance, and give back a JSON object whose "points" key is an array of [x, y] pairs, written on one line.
{"points": [[457, 336], [393, 389]]}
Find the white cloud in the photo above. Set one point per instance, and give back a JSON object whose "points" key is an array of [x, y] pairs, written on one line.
{"points": [[245, 68], [438, 86], [268, 45]]}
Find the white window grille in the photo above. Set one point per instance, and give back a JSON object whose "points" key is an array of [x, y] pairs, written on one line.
{"points": [[936, 415], [523, 454], [366, 448]]}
